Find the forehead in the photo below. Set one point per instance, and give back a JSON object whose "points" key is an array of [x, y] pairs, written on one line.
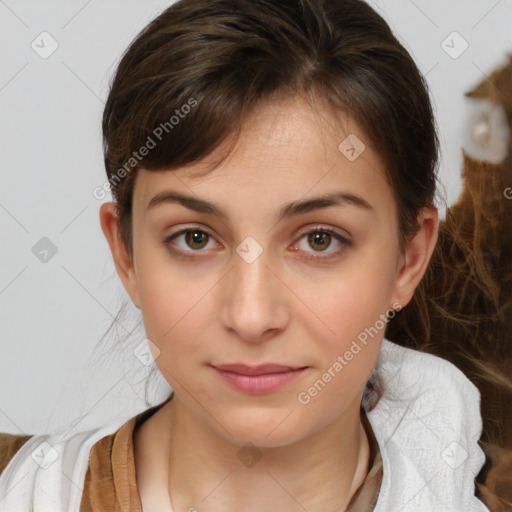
{"points": [[286, 150]]}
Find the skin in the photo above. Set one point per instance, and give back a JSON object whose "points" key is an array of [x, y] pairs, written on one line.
{"points": [[282, 307]]}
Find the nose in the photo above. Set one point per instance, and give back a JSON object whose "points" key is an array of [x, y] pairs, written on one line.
{"points": [[255, 300]]}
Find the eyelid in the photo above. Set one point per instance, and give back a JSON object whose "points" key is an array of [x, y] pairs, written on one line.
{"points": [[185, 229], [328, 229]]}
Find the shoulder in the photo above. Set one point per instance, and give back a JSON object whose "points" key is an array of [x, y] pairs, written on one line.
{"points": [[46, 471], [111, 476], [423, 385], [427, 424], [70, 470], [9, 446], [422, 379]]}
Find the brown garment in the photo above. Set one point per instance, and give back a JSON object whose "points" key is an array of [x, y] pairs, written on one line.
{"points": [[9, 445], [110, 484]]}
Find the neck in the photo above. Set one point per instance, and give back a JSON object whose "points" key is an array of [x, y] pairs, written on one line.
{"points": [[319, 472]]}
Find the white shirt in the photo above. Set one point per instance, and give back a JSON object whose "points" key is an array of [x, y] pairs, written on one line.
{"points": [[427, 425]]}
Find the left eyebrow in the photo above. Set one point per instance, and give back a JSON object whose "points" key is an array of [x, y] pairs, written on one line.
{"points": [[292, 209]]}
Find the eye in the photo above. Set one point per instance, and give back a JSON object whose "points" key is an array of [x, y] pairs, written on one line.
{"points": [[321, 238], [191, 238]]}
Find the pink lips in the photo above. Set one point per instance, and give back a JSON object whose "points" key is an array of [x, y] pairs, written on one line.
{"points": [[258, 379]]}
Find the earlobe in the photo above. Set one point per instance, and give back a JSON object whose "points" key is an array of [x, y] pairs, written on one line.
{"points": [[415, 260], [125, 268]]}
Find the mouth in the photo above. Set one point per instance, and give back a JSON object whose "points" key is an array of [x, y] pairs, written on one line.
{"points": [[258, 379]]}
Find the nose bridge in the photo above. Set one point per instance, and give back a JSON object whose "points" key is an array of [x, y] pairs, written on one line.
{"points": [[252, 274], [254, 301]]}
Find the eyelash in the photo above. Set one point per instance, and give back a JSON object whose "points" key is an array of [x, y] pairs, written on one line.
{"points": [[317, 229]]}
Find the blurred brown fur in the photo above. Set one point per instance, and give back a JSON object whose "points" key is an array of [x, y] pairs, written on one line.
{"points": [[462, 310]]}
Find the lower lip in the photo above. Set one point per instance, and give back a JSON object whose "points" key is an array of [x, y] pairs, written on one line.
{"points": [[259, 383]]}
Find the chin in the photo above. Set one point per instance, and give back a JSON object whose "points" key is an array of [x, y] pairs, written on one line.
{"points": [[265, 429]]}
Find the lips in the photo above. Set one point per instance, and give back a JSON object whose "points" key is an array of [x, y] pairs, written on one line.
{"points": [[260, 379], [263, 369]]}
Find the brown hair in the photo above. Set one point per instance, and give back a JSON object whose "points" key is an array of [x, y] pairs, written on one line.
{"points": [[222, 58], [231, 55]]}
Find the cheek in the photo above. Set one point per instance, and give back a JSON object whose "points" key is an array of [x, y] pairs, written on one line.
{"points": [[353, 308], [172, 321], [171, 308], [170, 300], [356, 297], [346, 353]]}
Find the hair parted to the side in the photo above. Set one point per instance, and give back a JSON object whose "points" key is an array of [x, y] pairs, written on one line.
{"points": [[229, 56], [187, 82]]}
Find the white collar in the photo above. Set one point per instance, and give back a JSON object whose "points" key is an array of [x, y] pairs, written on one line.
{"points": [[427, 424]]}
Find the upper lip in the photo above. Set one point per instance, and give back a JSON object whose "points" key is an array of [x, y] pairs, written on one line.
{"points": [[261, 369]]}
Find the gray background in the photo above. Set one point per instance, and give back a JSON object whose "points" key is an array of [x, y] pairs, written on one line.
{"points": [[54, 312]]}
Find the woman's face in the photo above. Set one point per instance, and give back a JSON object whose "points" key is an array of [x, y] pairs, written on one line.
{"points": [[250, 286]]}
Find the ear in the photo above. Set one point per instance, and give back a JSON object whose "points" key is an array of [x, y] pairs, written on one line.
{"points": [[414, 262], [109, 221]]}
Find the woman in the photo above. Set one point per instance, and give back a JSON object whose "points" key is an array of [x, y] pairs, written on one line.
{"points": [[273, 167]]}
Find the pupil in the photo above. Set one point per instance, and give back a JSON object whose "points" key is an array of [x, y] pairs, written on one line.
{"points": [[195, 237], [315, 238]]}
